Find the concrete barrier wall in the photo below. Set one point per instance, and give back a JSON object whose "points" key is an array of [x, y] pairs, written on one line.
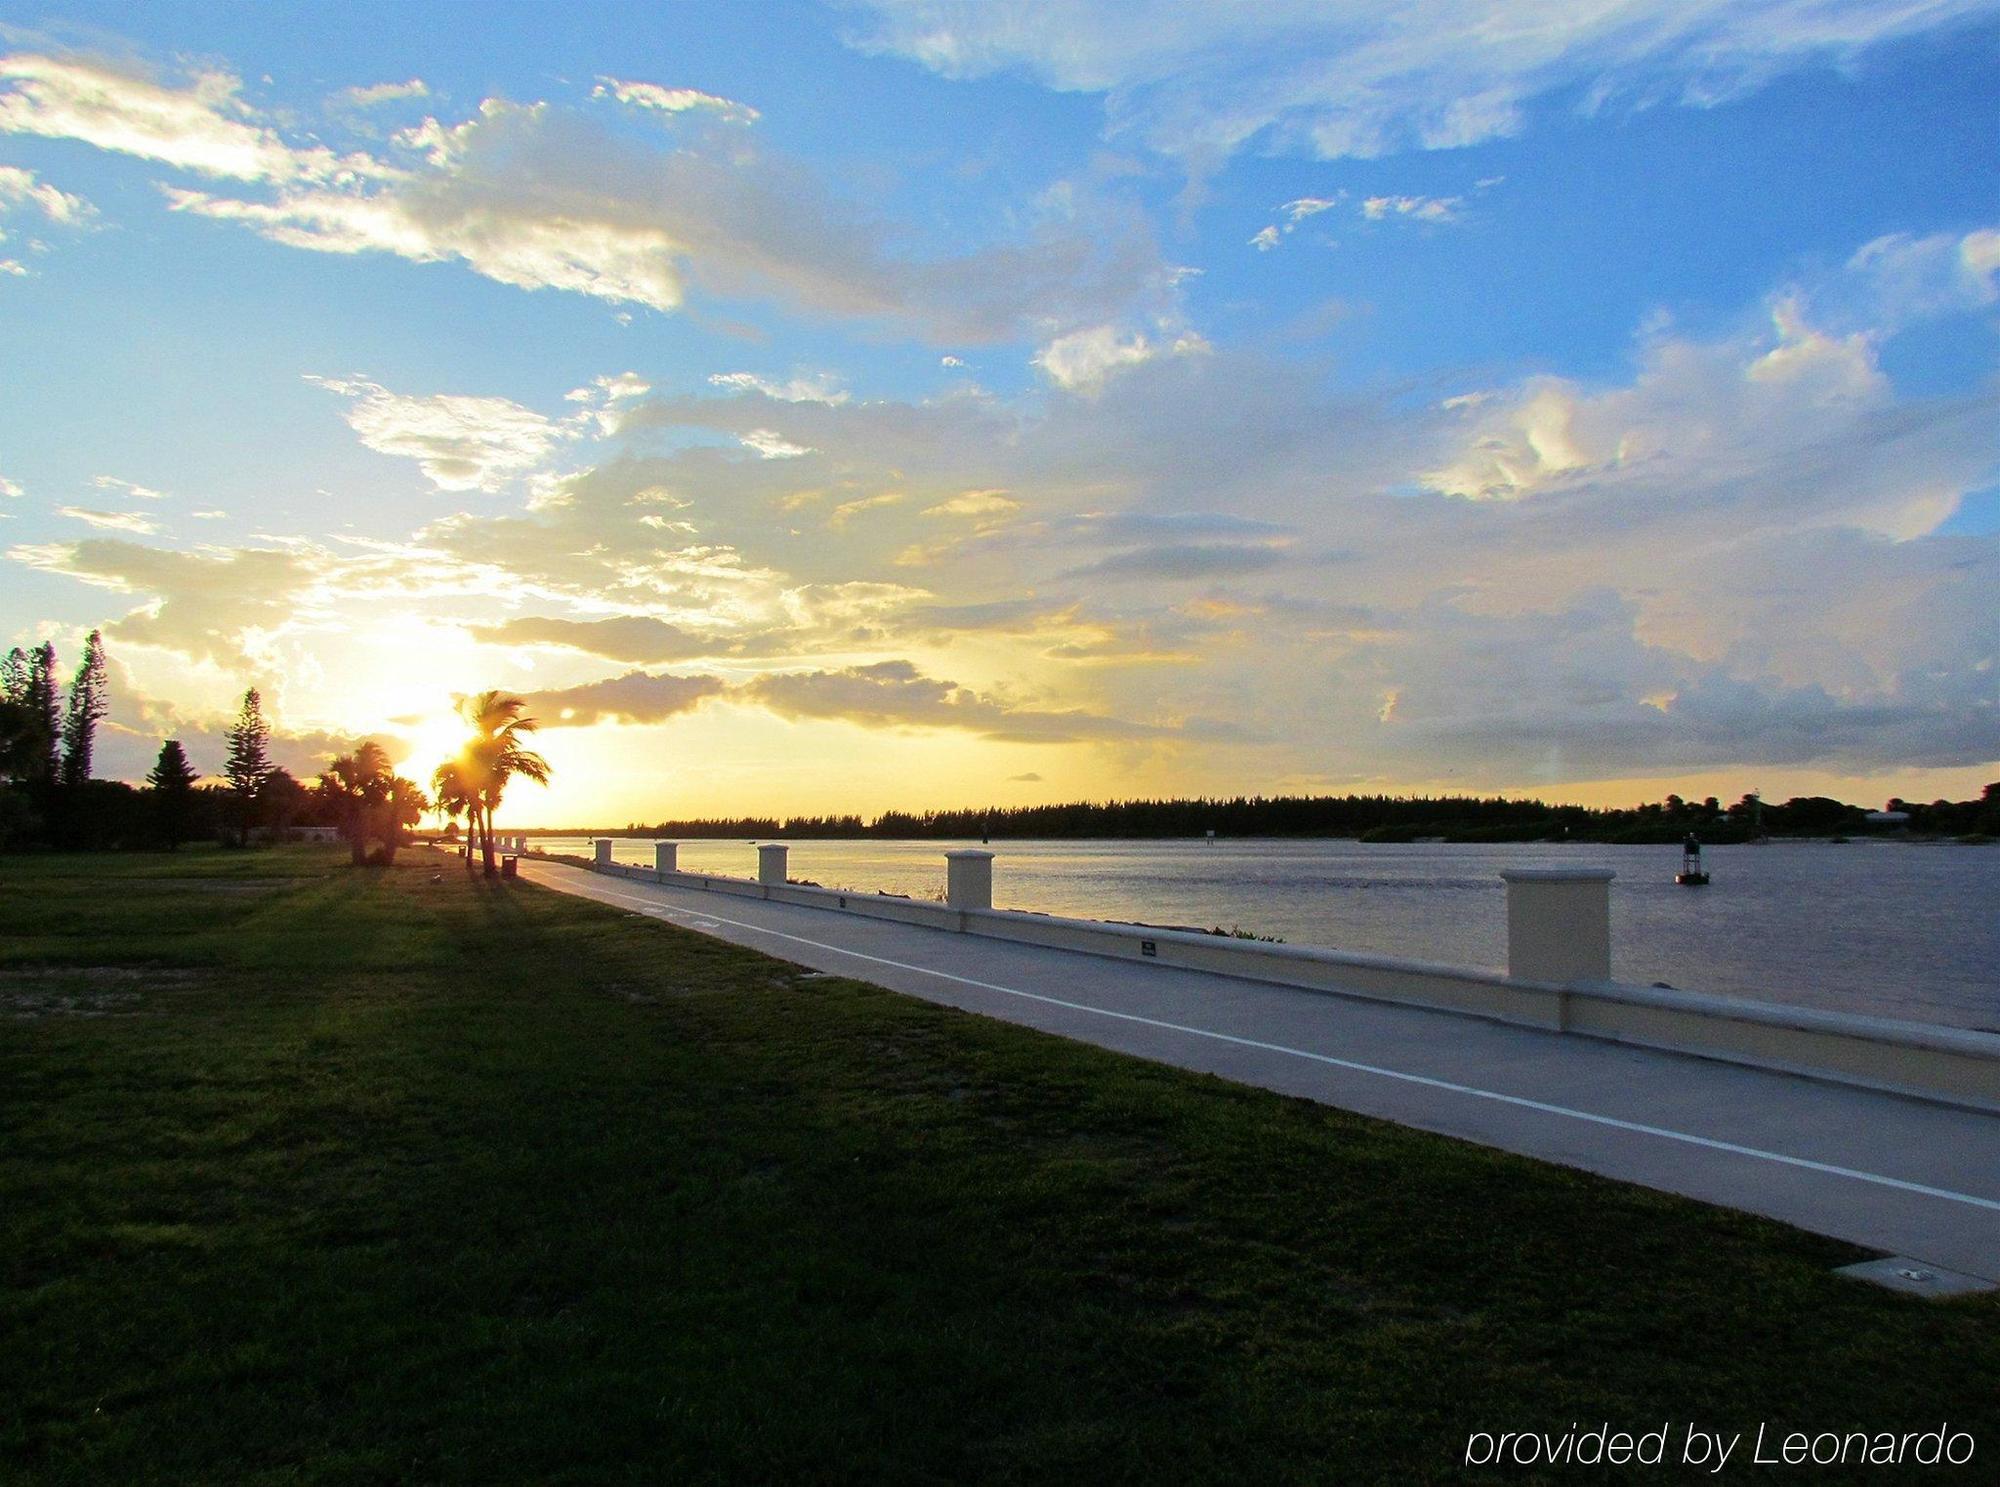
{"points": [[1959, 1066]]}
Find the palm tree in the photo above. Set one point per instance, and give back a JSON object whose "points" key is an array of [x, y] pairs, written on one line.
{"points": [[456, 796], [495, 754], [372, 801]]}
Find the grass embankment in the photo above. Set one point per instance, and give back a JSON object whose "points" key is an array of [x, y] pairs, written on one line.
{"points": [[312, 1174]]}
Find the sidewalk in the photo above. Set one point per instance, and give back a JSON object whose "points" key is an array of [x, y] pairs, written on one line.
{"points": [[1894, 1174]]}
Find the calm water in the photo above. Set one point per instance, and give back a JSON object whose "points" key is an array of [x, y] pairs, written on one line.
{"points": [[1896, 929]]}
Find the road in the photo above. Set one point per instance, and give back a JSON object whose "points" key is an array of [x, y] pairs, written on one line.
{"points": [[1900, 1175]]}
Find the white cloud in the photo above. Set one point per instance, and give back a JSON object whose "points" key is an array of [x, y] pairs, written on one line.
{"points": [[1436, 209], [1083, 359], [950, 361], [112, 521], [604, 391], [822, 387], [546, 198], [375, 93], [673, 100], [141, 492], [771, 445], [1310, 206], [204, 127], [1265, 240], [1900, 278], [1333, 78], [1732, 405], [982, 505], [21, 188], [11, 489], [460, 443]]}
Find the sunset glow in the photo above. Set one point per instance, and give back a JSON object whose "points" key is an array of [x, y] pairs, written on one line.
{"points": [[910, 404]]}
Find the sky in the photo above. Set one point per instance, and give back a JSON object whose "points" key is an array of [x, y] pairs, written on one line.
{"points": [[909, 403]]}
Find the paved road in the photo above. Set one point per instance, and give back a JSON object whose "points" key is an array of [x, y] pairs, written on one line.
{"points": [[1895, 1174]]}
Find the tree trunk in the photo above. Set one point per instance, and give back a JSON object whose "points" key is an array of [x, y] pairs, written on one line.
{"points": [[492, 866]]}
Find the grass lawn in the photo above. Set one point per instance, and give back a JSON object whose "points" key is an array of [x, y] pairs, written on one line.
{"points": [[312, 1174]]}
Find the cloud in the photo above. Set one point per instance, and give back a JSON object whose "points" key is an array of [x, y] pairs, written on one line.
{"points": [[135, 725], [140, 492], [771, 445], [638, 638], [11, 489], [1432, 209], [208, 604], [846, 511], [895, 694], [1082, 360], [978, 505], [460, 443], [1741, 406], [112, 521], [1310, 206], [204, 127], [22, 188], [377, 93], [1735, 552], [950, 361], [1900, 278], [1030, 778], [1265, 240], [1349, 78], [542, 197], [636, 697], [820, 388], [1187, 560], [673, 100]]}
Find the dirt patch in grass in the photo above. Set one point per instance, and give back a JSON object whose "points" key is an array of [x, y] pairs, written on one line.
{"points": [[30, 992], [225, 885]]}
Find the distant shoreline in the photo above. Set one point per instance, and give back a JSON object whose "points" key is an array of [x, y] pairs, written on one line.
{"points": [[1873, 838]]}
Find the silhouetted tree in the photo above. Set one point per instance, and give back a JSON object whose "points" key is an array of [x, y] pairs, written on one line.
{"points": [[371, 802], [172, 779], [495, 755], [87, 705], [249, 762], [282, 801], [34, 725], [455, 794]]}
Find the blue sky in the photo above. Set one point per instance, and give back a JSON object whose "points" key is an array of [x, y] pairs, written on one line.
{"points": [[1009, 401]]}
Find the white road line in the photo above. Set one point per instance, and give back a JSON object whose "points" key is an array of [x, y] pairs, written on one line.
{"points": [[1543, 1106]]}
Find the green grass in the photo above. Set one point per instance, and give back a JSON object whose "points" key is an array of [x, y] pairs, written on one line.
{"points": [[320, 1175]]}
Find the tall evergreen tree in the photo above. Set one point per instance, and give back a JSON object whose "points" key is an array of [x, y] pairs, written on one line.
{"points": [[87, 705], [39, 695], [249, 763], [172, 779]]}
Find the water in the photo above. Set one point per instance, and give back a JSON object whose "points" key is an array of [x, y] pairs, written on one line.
{"points": [[1889, 928]]}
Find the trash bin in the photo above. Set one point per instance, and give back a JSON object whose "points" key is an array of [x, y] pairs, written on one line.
{"points": [[507, 866]]}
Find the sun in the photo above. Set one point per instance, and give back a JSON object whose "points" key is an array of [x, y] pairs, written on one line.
{"points": [[433, 739]]}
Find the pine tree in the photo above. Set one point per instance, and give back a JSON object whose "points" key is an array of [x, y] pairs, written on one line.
{"points": [[172, 779], [249, 763], [45, 719], [87, 705]]}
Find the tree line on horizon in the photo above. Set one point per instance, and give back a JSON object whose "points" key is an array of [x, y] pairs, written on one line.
{"points": [[1368, 818], [50, 797]]}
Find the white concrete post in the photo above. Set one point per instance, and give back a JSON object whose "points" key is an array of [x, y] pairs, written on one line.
{"points": [[666, 857], [968, 882], [603, 845], [1559, 923], [771, 863]]}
